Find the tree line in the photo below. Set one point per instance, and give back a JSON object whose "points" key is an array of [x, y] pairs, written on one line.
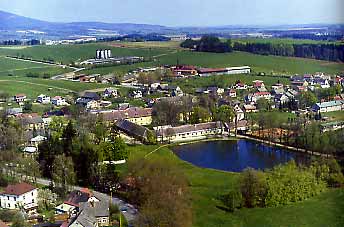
{"points": [[208, 43], [327, 52]]}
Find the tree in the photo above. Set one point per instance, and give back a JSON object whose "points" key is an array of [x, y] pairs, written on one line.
{"points": [[166, 113], [263, 104], [46, 199], [253, 188], [225, 114], [27, 107], [69, 133], [63, 172], [199, 115], [308, 98], [57, 126], [160, 188], [232, 200]]}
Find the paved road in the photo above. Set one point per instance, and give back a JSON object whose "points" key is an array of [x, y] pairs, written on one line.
{"points": [[128, 210]]}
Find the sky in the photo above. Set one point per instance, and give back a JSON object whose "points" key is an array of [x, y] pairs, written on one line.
{"points": [[182, 12]]}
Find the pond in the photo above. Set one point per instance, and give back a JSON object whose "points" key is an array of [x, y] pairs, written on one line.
{"points": [[235, 156]]}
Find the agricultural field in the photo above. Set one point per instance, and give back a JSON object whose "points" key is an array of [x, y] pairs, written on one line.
{"points": [[207, 185], [283, 41], [67, 54]]}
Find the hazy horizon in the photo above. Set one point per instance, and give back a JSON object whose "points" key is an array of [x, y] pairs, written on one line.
{"points": [[182, 13]]}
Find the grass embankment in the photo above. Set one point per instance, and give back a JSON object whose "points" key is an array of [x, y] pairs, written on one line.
{"points": [[206, 185]]}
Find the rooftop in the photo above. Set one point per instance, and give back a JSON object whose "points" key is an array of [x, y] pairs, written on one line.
{"points": [[18, 189]]}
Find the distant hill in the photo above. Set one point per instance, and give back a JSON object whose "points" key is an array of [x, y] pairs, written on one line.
{"points": [[13, 26], [12, 23]]}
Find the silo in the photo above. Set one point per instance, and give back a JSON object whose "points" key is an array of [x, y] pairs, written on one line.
{"points": [[105, 54], [109, 54], [102, 54], [98, 54]]}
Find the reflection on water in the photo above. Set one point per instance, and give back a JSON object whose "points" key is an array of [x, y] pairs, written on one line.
{"points": [[235, 156]]}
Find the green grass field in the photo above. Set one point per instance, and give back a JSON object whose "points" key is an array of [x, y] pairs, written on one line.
{"points": [[206, 185], [283, 41], [36, 86], [68, 53], [169, 53], [335, 116]]}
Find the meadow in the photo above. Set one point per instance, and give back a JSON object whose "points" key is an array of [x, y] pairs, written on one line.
{"points": [[36, 86], [168, 53], [207, 184], [67, 54]]}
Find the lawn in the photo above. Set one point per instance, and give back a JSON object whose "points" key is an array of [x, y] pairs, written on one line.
{"points": [[206, 185], [335, 116]]}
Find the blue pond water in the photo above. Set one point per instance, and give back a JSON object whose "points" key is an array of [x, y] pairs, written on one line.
{"points": [[235, 156]]}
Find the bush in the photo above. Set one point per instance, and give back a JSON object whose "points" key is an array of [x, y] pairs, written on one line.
{"points": [[290, 183], [232, 200], [253, 188]]}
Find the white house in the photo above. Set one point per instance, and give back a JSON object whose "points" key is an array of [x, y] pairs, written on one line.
{"points": [[110, 92], [258, 95], [93, 105], [58, 101], [239, 113], [18, 98], [44, 99], [18, 196]]}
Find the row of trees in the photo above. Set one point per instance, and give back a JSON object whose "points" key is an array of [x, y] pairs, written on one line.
{"points": [[282, 185], [208, 43], [191, 111], [328, 52], [73, 153]]}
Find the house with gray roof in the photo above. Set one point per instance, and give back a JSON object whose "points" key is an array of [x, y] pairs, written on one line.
{"points": [[92, 214], [136, 131], [330, 106]]}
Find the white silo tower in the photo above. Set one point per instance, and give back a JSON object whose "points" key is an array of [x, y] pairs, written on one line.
{"points": [[106, 54], [98, 54], [102, 54], [109, 53]]}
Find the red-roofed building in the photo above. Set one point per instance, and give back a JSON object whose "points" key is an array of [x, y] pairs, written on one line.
{"points": [[2, 224], [184, 70], [19, 98], [19, 195]]}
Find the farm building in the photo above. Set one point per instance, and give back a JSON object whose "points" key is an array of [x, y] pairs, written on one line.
{"points": [[331, 106]]}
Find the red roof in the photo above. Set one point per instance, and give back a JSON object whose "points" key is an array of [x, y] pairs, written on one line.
{"points": [[209, 70], [18, 189], [20, 95], [2, 224], [262, 93]]}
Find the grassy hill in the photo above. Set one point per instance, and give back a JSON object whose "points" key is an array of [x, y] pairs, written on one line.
{"points": [[207, 184]]}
